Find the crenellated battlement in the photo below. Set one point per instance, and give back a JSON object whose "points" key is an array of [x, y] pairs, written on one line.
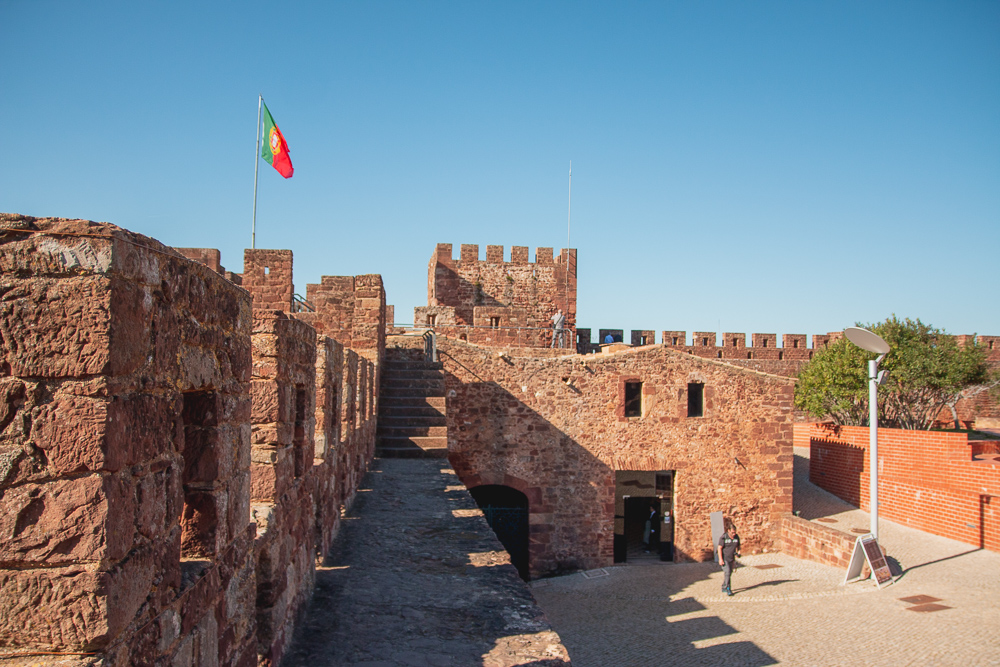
{"points": [[501, 295], [519, 256]]}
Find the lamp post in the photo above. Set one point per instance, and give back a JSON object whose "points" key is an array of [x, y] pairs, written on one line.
{"points": [[871, 342]]}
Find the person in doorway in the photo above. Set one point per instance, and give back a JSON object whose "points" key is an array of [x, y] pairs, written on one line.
{"points": [[650, 535], [558, 328], [728, 550], [609, 339]]}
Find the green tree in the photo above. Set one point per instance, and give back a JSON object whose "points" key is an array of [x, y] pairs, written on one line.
{"points": [[928, 371]]}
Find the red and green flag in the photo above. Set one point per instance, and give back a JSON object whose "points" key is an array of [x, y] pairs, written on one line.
{"points": [[275, 149]]}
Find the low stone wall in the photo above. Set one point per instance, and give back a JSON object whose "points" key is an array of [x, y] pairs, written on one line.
{"points": [[810, 541], [933, 481]]}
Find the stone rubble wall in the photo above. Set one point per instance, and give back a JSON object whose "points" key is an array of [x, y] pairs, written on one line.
{"points": [[507, 303], [554, 428], [175, 451], [124, 481]]}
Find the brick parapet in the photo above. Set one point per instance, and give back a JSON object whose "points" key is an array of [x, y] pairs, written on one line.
{"points": [[927, 480], [267, 275], [126, 493], [810, 541]]}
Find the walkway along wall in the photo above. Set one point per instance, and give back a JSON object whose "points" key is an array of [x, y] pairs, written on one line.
{"points": [[138, 435], [555, 428], [933, 481]]}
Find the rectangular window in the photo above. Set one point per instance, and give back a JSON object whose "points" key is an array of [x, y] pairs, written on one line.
{"points": [[431, 320], [495, 322], [642, 340], [696, 399], [675, 340], [633, 399]]}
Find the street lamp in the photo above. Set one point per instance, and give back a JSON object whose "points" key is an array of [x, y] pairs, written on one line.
{"points": [[872, 342]]}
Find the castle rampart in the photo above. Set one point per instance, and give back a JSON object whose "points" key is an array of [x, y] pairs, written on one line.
{"points": [[153, 408], [497, 302]]}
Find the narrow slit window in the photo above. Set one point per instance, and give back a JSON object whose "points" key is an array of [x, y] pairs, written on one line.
{"points": [[675, 341], [633, 399], [696, 399], [431, 320], [495, 322]]}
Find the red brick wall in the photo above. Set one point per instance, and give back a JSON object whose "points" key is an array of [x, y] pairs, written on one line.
{"points": [[927, 480], [125, 489]]}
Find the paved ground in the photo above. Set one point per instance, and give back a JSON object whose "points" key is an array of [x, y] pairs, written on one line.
{"points": [[797, 614], [416, 578]]}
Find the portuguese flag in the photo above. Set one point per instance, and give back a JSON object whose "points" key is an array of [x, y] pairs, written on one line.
{"points": [[275, 149]]}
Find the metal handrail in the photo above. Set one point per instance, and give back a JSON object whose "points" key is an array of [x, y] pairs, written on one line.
{"points": [[430, 345], [300, 305]]}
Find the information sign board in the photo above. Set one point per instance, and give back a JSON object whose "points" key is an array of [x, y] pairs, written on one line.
{"points": [[866, 548]]}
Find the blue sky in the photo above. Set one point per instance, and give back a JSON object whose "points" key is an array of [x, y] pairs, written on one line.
{"points": [[774, 167]]}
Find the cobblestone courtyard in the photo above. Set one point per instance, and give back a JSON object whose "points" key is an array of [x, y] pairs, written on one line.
{"points": [[796, 614]]}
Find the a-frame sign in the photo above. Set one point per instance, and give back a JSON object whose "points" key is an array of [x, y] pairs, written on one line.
{"points": [[866, 548]]}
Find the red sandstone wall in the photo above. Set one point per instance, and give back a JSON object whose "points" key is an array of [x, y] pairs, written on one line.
{"points": [[554, 428], [811, 541], [501, 303], [927, 480], [283, 418], [124, 487], [267, 275]]}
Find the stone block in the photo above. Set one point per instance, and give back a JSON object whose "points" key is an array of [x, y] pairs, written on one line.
{"points": [[56, 327], [66, 520]]}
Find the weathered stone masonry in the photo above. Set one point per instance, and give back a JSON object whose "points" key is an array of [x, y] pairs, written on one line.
{"points": [[125, 480], [150, 408], [555, 429]]}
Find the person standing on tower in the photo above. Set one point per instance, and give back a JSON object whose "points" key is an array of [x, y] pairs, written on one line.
{"points": [[558, 324]]}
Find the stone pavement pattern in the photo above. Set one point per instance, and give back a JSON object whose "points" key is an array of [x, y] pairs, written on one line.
{"points": [[795, 614], [416, 578]]}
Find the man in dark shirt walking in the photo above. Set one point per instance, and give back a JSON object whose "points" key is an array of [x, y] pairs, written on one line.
{"points": [[728, 550]]}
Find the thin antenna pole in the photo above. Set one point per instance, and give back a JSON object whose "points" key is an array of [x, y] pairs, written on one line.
{"points": [[569, 218], [256, 163]]}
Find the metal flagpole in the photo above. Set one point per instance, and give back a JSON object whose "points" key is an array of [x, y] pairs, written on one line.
{"points": [[569, 218], [256, 163]]}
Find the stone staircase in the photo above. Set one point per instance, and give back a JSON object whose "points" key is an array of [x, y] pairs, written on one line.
{"points": [[411, 417]]}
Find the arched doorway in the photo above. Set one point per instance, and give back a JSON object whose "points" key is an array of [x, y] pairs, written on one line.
{"points": [[506, 511]]}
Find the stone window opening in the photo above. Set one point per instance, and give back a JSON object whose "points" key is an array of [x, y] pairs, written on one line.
{"points": [[734, 342], [781, 355], [675, 340], [795, 343], [495, 322], [704, 342], [696, 399], [431, 320], [749, 355], [199, 454], [267, 270], [719, 354], [633, 399], [299, 435], [642, 340]]}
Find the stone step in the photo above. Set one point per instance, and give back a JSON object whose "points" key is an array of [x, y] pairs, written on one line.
{"points": [[437, 402], [413, 447], [398, 421], [412, 392], [391, 365], [412, 431], [412, 375], [421, 383]]}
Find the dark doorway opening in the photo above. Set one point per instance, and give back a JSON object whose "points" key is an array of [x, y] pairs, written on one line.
{"points": [[506, 511], [643, 499]]}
